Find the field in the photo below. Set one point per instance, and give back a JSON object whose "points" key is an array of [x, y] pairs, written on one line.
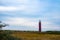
{"points": [[29, 35], [35, 35]]}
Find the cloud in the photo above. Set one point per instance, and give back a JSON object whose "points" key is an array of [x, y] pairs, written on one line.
{"points": [[30, 22], [2, 8], [50, 26], [27, 6], [28, 13], [11, 8]]}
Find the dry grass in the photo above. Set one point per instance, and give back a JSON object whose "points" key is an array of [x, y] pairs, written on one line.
{"points": [[35, 36]]}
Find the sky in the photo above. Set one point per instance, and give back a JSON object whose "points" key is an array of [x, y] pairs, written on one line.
{"points": [[25, 14]]}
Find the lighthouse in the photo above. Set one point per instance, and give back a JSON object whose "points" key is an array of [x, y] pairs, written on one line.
{"points": [[39, 26]]}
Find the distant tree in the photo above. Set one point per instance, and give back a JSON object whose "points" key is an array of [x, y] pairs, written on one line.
{"points": [[5, 35], [2, 25]]}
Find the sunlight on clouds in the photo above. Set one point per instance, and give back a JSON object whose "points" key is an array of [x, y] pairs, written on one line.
{"points": [[22, 22], [30, 22], [27, 6], [28, 13], [2, 8], [11, 8]]}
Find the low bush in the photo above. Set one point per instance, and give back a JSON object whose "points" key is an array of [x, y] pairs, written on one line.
{"points": [[6, 36]]}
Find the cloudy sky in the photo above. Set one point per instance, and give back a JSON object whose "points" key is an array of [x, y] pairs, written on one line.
{"points": [[25, 14]]}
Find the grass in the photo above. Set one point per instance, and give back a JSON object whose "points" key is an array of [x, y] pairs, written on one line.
{"points": [[36, 35], [30, 35]]}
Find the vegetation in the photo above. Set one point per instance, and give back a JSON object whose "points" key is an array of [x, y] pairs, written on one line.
{"points": [[2, 25], [28, 35], [35, 35], [53, 32], [5, 35]]}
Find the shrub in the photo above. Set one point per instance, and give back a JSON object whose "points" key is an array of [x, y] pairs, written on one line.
{"points": [[6, 36]]}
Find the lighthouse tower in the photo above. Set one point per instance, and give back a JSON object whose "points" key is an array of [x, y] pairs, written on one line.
{"points": [[39, 26]]}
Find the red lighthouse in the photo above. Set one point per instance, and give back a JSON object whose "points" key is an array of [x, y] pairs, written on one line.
{"points": [[39, 26]]}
